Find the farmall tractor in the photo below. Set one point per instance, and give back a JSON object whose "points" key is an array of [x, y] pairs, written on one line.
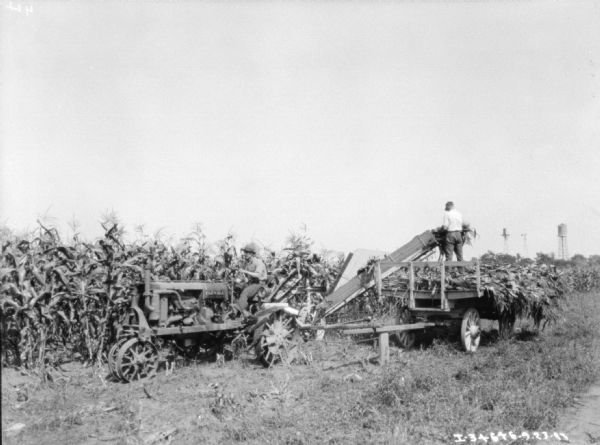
{"points": [[169, 318]]}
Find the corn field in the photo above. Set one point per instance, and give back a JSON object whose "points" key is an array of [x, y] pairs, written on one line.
{"points": [[63, 300], [529, 289], [584, 279]]}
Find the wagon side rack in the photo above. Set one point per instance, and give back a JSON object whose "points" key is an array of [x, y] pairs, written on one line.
{"points": [[443, 306], [449, 299]]}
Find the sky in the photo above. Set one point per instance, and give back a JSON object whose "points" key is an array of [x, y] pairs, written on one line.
{"points": [[356, 119]]}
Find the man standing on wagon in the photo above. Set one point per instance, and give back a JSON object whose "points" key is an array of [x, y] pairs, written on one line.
{"points": [[453, 224]]}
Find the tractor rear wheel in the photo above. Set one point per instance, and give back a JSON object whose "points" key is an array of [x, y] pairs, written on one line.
{"points": [[276, 341]]}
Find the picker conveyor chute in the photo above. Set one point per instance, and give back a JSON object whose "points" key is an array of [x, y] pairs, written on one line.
{"points": [[417, 248]]}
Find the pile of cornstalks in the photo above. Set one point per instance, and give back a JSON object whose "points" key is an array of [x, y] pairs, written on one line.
{"points": [[62, 300], [519, 289], [524, 290]]}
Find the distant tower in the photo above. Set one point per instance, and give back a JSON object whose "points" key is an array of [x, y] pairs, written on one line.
{"points": [[525, 252], [563, 250], [505, 235]]}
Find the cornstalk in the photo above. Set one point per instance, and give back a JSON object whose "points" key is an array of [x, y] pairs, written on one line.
{"points": [[102, 334], [42, 351], [86, 326], [506, 324], [108, 310], [29, 342]]}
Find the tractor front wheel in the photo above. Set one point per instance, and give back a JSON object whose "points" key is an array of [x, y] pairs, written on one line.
{"points": [[112, 357], [136, 359]]}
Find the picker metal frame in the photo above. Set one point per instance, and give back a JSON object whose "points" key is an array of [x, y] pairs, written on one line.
{"points": [[448, 308]]}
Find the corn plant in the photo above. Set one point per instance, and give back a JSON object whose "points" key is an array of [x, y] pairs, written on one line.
{"points": [[63, 299]]}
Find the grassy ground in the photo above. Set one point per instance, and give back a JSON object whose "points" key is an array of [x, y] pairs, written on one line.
{"points": [[424, 396]]}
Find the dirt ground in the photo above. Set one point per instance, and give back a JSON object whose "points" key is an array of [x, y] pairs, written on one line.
{"points": [[325, 399], [238, 401], [582, 422]]}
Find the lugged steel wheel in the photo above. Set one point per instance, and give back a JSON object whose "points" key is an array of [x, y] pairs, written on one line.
{"points": [[405, 339], [470, 330], [276, 341], [112, 356], [136, 360]]}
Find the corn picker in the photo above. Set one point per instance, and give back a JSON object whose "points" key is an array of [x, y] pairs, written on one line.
{"points": [[429, 294], [168, 318]]}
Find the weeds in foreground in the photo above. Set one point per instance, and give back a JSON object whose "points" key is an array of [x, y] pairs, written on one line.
{"points": [[511, 385], [423, 398]]}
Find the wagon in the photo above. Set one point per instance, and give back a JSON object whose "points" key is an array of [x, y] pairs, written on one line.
{"points": [[453, 302], [168, 318], [432, 294]]}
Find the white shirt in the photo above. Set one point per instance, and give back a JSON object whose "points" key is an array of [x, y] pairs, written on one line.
{"points": [[453, 220]]}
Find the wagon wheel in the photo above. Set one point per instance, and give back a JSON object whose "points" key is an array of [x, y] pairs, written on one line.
{"points": [[276, 341], [405, 339], [470, 330], [112, 356], [136, 360]]}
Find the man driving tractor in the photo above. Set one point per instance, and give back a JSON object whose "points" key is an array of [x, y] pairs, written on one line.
{"points": [[256, 271]]}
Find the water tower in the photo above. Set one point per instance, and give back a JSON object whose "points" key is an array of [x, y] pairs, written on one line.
{"points": [[563, 251]]}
